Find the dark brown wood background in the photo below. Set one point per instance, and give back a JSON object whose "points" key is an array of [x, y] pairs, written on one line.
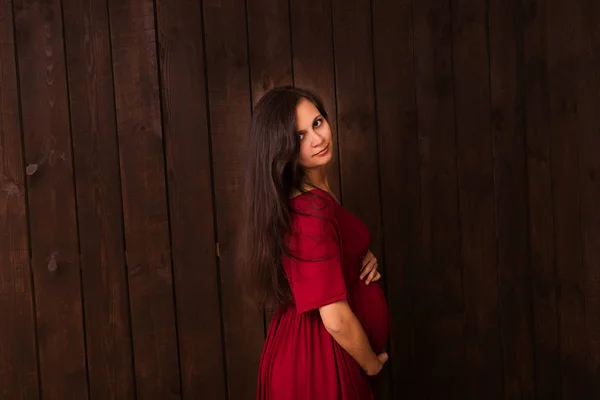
{"points": [[469, 141]]}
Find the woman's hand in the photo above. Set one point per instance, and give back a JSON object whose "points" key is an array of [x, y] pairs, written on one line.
{"points": [[370, 269], [381, 360]]}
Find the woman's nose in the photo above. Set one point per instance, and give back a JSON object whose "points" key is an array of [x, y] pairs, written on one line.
{"points": [[317, 139]]}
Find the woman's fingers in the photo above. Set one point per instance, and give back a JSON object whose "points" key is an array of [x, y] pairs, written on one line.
{"points": [[367, 268], [365, 271], [368, 258], [372, 274]]}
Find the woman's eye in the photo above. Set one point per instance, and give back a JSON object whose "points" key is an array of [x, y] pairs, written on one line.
{"points": [[301, 136], [317, 123]]}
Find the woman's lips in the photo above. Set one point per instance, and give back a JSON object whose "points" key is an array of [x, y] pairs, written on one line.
{"points": [[323, 152]]}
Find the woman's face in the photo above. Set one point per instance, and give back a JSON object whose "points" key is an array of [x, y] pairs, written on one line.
{"points": [[316, 146]]}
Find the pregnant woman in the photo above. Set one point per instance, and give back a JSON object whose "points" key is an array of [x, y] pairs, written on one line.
{"points": [[309, 259]]}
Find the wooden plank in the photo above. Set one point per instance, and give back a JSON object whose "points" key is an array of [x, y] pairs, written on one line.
{"points": [[269, 45], [357, 129], [18, 362], [589, 174], [229, 103], [514, 275], [313, 65], [51, 198], [182, 66], [356, 113], [540, 168], [270, 53], [434, 90], [439, 300], [100, 215], [551, 55], [144, 199], [475, 169], [399, 176]]}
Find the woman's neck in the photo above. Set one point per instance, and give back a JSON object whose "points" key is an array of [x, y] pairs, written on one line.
{"points": [[317, 178]]}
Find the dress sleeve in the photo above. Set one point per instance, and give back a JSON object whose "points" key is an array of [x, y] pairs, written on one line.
{"points": [[314, 265]]}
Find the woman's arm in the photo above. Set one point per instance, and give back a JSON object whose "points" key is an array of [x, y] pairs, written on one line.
{"points": [[342, 324]]}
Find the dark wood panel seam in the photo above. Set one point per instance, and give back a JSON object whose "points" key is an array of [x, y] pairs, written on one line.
{"points": [[214, 202], [419, 178], [581, 248], [265, 321], [379, 187], [26, 199], [167, 199], [377, 135], [522, 123], [335, 98], [74, 179], [112, 77], [291, 41], [581, 226], [544, 77], [581, 242], [456, 164], [248, 61], [590, 53], [554, 240], [248, 55], [494, 197]]}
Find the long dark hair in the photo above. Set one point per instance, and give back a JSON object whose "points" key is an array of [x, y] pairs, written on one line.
{"points": [[272, 174]]}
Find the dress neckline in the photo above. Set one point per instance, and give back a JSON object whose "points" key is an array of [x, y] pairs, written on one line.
{"points": [[319, 190]]}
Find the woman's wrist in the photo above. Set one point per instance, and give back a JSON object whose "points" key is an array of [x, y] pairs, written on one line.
{"points": [[374, 365]]}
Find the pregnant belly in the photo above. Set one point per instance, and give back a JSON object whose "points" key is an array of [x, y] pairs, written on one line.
{"points": [[369, 304]]}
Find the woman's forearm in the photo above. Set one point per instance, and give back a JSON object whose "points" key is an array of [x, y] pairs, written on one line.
{"points": [[346, 330]]}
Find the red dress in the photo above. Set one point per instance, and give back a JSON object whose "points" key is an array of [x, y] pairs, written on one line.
{"points": [[300, 359]]}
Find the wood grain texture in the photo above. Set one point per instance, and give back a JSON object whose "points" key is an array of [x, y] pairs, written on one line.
{"points": [[100, 215], [508, 128], [18, 358], [437, 151], [185, 123], [541, 169], [550, 57], [399, 177], [51, 198], [153, 320], [269, 46], [313, 66], [470, 143], [439, 303], [230, 104], [475, 169]]}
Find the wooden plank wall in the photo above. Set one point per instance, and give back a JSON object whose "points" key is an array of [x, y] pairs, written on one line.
{"points": [[468, 139]]}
